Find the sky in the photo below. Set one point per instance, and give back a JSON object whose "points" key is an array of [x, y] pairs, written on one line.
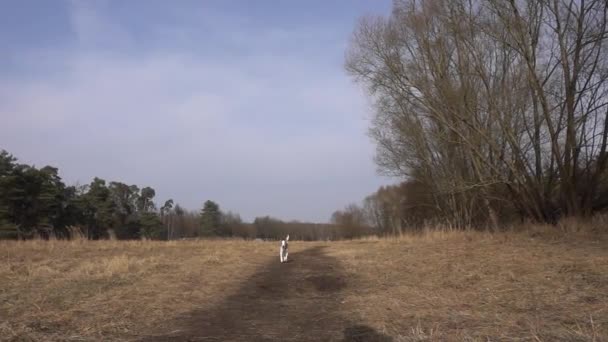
{"points": [[242, 102]]}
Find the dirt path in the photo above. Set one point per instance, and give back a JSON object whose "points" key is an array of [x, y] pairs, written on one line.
{"points": [[297, 301]]}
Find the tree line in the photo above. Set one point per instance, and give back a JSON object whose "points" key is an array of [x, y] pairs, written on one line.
{"points": [[35, 202], [493, 111]]}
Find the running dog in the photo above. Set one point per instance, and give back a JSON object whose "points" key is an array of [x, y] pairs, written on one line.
{"points": [[283, 251]]}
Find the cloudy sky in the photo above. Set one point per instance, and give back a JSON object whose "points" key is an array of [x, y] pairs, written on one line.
{"points": [[242, 102]]}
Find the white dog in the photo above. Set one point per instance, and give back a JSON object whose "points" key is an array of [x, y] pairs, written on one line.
{"points": [[283, 251]]}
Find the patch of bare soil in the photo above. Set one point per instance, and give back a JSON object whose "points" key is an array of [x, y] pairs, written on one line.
{"points": [[296, 301]]}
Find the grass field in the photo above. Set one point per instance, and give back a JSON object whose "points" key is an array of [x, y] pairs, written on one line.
{"points": [[438, 286]]}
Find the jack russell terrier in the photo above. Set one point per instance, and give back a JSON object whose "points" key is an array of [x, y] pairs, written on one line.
{"points": [[283, 252]]}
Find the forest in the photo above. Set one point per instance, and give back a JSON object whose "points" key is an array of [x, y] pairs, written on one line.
{"points": [[35, 202]]}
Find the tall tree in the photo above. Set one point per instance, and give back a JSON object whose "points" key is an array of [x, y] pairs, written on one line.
{"points": [[125, 198], [151, 226], [145, 201], [31, 199], [166, 217], [99, 209], [210, 219]]}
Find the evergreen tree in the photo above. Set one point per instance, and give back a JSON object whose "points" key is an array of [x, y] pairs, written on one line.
{"points": [[210, 219], [150, 226], [98, 209]]}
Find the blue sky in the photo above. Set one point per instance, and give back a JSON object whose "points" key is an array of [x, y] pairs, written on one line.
{"points": [[242, 102]]}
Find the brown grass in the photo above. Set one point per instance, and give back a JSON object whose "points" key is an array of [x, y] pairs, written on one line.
{"points": [[533, 285]]}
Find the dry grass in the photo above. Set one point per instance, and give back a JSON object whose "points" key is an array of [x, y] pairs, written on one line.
{"points": [[534, 285], [101, 289], [474, 286]]}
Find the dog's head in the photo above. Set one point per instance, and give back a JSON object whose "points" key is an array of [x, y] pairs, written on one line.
{"points": [[284, 242]]}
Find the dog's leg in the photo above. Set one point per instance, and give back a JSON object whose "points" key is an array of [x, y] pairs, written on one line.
{"points": [[286, 255], [281, 254]]}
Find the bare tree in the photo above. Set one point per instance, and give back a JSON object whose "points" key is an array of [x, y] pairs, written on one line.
{"points": [[493, 104]]}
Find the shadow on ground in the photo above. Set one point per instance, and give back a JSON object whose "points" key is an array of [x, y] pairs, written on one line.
{"points": [[298, 301]]}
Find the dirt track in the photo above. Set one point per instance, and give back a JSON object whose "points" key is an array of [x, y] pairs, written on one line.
{"points": [[297, 301]]}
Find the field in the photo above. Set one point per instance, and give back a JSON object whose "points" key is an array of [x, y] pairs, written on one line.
{"points": [[436, 286]]}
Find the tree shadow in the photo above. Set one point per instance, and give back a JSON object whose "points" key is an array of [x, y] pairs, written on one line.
{"points": [[363, 333], [297, 301]]}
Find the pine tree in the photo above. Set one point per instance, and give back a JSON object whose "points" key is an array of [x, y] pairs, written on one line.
{"points": [[210, 219]]}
